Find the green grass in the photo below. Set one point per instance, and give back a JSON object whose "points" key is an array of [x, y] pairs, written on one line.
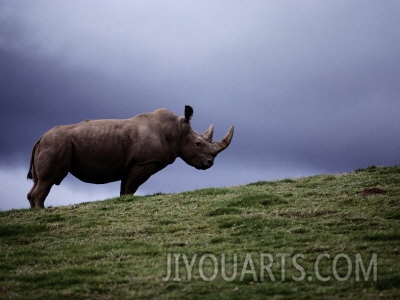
{"points": [[259, 240]]}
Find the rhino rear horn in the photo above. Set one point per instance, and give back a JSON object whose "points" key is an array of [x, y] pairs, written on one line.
{"points": [[208, 134], [224, 143]]}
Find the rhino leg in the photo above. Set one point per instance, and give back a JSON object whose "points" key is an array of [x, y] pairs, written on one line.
{"points": [[39, 192], [30, 198], [137, 175]]}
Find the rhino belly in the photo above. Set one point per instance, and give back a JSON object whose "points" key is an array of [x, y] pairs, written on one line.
{"points": [[96, 172]]}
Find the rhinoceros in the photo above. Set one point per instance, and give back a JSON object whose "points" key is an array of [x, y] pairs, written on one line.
{"points": [[129, 150]]}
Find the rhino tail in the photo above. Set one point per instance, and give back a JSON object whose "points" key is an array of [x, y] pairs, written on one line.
{"points": [[31, 165]]}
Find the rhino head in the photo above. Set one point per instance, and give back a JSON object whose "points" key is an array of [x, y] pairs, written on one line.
{"points": [[198, 150]]}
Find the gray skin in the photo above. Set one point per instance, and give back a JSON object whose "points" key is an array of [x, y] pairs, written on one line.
{"points": [[130, 150]]}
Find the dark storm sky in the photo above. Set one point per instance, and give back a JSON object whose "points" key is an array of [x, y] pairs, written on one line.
{"points": [[311, 86]]}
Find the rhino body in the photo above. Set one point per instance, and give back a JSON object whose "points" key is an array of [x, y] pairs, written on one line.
{"points": [[130, 150]]}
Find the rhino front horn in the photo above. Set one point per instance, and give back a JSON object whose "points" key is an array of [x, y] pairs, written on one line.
{"points": [[224, 143]]}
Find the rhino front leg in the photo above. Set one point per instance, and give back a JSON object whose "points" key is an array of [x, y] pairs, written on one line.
{"points": [[137, 175]]}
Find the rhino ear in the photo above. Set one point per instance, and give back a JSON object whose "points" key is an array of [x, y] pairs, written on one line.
{"points": [[188, 112]]}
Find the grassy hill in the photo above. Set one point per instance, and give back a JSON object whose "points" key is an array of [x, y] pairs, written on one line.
{"points": [[314, 237]]}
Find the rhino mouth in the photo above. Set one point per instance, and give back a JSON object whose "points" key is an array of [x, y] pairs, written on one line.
{"points": [[206, 165]]}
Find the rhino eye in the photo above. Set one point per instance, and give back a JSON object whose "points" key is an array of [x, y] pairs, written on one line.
{"points": [[198, 144]]}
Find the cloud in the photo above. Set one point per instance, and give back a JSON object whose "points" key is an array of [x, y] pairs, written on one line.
{"points": [[311, 87]]}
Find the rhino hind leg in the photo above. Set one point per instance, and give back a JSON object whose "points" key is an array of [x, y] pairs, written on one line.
{"points": [[29, 196], [39, 192]]}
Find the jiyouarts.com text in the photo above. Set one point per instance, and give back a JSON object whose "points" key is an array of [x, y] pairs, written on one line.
{"points": [[260, 267]]}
